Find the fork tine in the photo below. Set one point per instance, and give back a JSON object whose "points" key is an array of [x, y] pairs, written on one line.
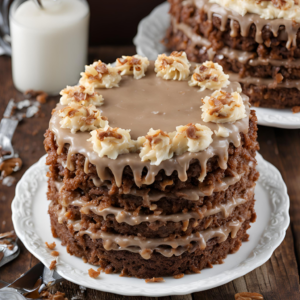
{"points": [[28, 280]]}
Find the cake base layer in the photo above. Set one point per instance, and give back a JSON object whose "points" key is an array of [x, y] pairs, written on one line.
{"points": [[272, 94], [132, 264]]}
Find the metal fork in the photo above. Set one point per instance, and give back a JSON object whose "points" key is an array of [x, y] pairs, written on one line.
{"points": [[8, 255], [7, 129], [37, 278]]}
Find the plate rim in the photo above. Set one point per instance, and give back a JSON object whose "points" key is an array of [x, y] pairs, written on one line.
{"points": [[257, 261], [147, 39]]}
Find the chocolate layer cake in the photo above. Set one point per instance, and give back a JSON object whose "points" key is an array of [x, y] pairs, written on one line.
{"points": [[152, 203], [257, 42]]}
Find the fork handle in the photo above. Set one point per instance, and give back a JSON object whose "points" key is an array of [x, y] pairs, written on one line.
{"points": [[8, 127]]}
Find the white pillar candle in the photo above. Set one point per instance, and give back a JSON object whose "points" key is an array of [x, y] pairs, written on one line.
{"points": [[49, 46]]}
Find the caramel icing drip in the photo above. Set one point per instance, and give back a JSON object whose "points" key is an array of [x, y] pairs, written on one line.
{"points": [[130, 218], [290, 27], [192, 194], [268, 82], [243, 57], [166, 246], [139, 105]]}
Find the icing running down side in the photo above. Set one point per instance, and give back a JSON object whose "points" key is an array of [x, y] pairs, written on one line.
{"points": [[130, 218], [268, 82], [151, 102], [243, 57], [193, 194], [166, 246], [289, 34]]}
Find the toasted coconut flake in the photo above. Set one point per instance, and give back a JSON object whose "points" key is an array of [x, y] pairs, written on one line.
{"points": [[136, 65], [81, 95], [156, 146], [81, 118], [223, 107], [192, 138], [209, 75], [100, 75], [112, 142], [176, 66]]}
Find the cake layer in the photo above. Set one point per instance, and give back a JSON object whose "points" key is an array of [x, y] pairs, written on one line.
{"points": [[275, 39], [158, 264], [162, 178], [180, 37], [164, 219], [165, 225], [262, 55]]}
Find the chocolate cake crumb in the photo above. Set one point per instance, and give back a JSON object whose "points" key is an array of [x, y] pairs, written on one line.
{"points": [[154, 279], [50, 246], [178, 276], [42, 98], [248, 296], [55, 253], [296, 109], [57, 296], [93, 273], [52, 265]]}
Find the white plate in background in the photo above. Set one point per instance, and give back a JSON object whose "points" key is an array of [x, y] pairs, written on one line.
{"points": [[32, 225], [152, 30]]}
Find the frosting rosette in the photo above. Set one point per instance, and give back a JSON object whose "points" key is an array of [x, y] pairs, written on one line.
{"points": [[81, 118], [210, 76], [223, 107], [173, 67], [192, 138], [81, 95], [111, 142], [100, 75], [135, 65], [155, 146]]}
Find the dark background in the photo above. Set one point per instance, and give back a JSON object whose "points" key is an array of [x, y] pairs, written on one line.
{"points": [[114, 22]]}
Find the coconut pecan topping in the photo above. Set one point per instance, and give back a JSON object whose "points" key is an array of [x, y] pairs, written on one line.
{"points": [[209, 76], [132, 65], [80, 94], [223, 107], [100, 75], [111, 142], [176, 66], [81, 118]]}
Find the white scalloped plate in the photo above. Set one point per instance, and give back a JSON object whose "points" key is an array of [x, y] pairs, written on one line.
{"points": [[32, 225], [151, 31]]}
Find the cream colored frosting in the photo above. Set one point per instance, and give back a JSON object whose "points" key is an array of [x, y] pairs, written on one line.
{"points": [[135, 65], [154, 102], [209, 75], [81, 118], [173, 67], [289, 10], [156, 147], [223, 107], [192, 138], [100, 75], [111, 142], [81, 95]]}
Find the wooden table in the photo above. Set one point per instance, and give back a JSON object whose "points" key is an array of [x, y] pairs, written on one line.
{"points": [[276, 279]]}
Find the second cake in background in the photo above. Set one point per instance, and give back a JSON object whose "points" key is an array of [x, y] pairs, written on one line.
{"points": [[257, 42]]}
